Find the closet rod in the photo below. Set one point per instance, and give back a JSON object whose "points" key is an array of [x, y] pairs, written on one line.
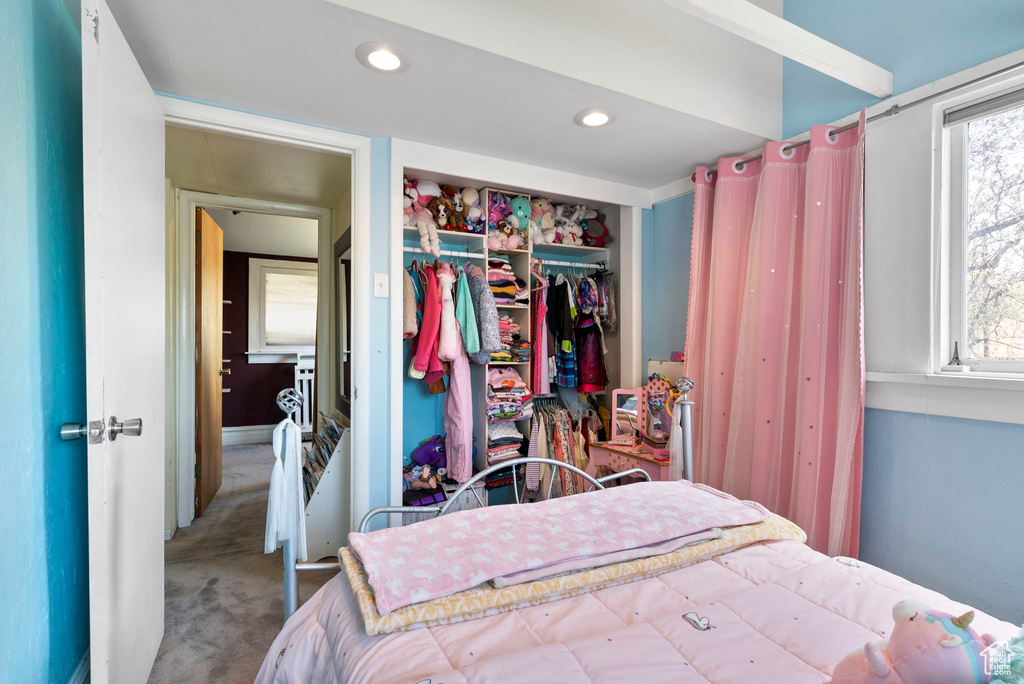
{"points": [[578, 264], [444, 252], [892, 111]]}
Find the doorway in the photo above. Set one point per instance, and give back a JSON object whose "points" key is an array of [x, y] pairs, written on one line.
{"points": [[276, 209]]}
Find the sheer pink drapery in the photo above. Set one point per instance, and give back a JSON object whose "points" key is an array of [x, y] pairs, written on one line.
{"points": [[774, 333]]}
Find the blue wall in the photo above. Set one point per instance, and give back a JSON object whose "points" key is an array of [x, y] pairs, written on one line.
{"points": [[44, 607], [941, 506], [666, 231], [919, 41]]}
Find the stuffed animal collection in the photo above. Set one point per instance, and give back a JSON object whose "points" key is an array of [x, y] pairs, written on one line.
{"points": [[417, 213], [509, 224], [925, 647], [503, 221], [542, 221]]}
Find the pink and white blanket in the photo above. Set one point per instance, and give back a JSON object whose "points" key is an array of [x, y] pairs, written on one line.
{"points": [[445, 555]]}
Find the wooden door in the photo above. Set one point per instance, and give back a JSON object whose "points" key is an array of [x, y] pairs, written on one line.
{"points": [[124, 229], [209, 344]]}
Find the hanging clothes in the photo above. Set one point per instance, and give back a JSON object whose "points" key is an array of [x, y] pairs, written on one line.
{"points": [[425, 363], [458, 403], [560, 318], [539, 335], [465, 313], [593, 376], [286, 508], [486, 315]]}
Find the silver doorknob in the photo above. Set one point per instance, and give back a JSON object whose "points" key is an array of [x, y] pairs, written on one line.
{"points": [[129, 428], [73, 431]]}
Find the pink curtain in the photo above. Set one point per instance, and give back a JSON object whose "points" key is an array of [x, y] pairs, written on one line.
{"points": [[774, 334]]}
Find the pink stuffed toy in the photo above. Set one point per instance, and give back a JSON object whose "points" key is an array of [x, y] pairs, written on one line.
{"points": [[422, 193], [926, 647]]}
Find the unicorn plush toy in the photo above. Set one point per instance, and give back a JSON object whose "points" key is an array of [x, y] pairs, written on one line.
{"points": [[926, 647]]}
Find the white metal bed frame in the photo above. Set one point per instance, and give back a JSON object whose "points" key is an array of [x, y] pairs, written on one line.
{"points": [[292, 568]]}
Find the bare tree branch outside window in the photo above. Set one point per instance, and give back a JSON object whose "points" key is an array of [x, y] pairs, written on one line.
{"points": [[995, 236]]}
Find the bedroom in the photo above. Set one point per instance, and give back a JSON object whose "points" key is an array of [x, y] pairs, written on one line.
{"points": [[941, 448]]}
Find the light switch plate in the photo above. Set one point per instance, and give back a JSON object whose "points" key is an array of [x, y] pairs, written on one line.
{"points": [[380, 285]]}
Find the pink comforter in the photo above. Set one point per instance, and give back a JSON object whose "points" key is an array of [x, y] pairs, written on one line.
{"points": [[775, 612], [445, 555]]}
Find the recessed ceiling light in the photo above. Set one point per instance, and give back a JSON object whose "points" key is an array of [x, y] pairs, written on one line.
{"points": [[382, 57], [594, 117], [385, 60]]}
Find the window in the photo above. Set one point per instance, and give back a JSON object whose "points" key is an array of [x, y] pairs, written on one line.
{"points": [[986, 245], [282, 306]]}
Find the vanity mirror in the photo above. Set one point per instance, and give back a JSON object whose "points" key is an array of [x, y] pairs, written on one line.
{"points": [[626, 421]]}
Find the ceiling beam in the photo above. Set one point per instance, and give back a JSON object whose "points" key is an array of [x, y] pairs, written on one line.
{"points": [[747, 20]]}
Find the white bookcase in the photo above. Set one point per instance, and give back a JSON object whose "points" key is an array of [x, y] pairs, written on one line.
{"points": [[326, 514]]}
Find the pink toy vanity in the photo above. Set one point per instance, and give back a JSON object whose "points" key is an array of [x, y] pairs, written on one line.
{"points": [[641, 422]]}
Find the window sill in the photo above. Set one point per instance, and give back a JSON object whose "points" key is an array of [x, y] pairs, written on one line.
{"points": [[972, 396], [276, 357]]}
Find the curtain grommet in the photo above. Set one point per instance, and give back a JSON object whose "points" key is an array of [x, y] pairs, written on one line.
{"points": [[787, 151], [707, 175], [738, 166], [830, 135]]}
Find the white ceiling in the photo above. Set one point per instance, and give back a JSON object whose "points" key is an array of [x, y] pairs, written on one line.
{"points": [[267, 234], [243, 167], [296, 60]]}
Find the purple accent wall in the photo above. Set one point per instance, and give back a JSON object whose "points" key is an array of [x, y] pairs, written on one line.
{"points": [[254, 386]]}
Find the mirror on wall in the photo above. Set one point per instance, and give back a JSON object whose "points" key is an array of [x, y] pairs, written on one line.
{"points": [[625, 426]]}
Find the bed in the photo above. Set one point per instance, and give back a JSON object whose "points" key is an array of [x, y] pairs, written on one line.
{"points": [[752, 605]]}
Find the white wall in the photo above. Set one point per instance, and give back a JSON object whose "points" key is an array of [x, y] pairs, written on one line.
{"points": [[266, 233]]}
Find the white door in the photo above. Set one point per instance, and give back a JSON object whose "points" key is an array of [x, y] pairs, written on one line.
{"points": [[123, 160]]}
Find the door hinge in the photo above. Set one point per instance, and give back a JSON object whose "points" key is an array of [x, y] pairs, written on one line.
{"points": [[199, 471], [199, 237]]}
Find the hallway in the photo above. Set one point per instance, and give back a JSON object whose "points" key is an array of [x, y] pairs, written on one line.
{"points": [[223, 596]]}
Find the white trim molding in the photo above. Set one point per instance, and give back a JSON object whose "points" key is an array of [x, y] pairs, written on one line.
{"points": [[195, 115], [968, 396], [676, 188], [247, 434], [906, 260]]}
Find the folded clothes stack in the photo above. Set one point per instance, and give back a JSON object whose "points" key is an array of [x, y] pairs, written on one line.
{"points": [[522, 293], [502, 279], [508, 397], [508, 331], [504, 441]]}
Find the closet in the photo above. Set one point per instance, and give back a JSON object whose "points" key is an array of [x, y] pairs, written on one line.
{"points": [[527, 266]]}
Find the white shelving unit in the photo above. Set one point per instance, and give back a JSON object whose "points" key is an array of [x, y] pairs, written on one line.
{"points": [[326, 514], [456, 243]]}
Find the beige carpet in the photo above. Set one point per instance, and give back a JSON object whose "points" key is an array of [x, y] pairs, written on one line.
{"points": [[223, 601]]}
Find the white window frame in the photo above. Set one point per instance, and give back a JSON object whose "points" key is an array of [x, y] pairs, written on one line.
{"points": [[258, 269], [953, 259]]}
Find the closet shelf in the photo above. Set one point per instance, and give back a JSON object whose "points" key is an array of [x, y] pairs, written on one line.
{"points": [[449, 237], [508, 363], [583, 252], [509, 252], [521, 307]]}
